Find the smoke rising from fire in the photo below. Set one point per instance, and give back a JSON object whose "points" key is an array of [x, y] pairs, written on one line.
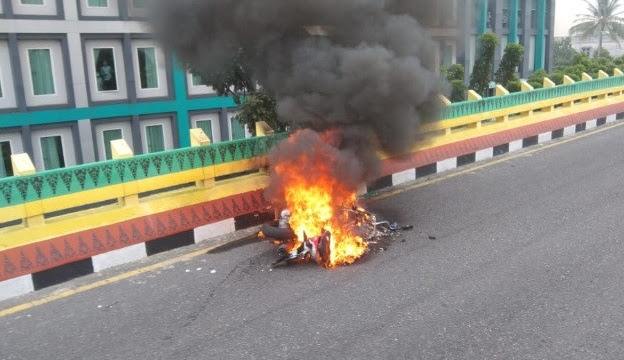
{"points": [[364, 67]]}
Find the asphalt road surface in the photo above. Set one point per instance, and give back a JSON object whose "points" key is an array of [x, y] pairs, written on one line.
{"points": [[519, 259]]}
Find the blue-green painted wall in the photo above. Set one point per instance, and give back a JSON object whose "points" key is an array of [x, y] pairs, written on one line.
{"points": [[482, 8], [180, 105], [540, 37], [513, 21]]}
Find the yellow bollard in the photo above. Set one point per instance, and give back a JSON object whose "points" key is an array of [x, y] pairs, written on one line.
{"points": [[199, 138], [263, 129], [472, 95], [121, 150], [22, 166], [500, 90]]}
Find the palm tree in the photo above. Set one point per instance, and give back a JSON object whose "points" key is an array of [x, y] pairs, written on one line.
{"points": [[604, 17]]}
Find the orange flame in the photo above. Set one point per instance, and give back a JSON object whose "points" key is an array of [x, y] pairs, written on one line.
{"points": [[314, 198]]}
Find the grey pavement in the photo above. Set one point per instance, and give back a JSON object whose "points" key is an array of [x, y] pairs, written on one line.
{"points": [[523, 259]]}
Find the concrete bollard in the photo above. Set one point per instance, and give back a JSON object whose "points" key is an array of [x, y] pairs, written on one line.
{"points": [[199, 138], [22, 166], [121, 150]]}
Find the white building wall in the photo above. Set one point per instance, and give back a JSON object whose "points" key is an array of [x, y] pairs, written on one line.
{"points": [[7, 98], [589, 44]]}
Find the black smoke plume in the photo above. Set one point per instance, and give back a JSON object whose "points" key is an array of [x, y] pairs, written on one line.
{"points": [[362, 67]]}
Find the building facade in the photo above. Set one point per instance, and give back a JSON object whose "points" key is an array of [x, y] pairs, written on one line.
{"points": [[76, 74], [589, 44], [526, 22]]}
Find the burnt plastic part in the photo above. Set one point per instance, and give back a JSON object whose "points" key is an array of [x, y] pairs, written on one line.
{"points": [[324, 250], [272, 231]]}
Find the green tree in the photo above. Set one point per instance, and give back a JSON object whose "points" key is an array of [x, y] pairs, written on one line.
{"points": [[618, 61], [603, 17], [563, 52], [458, 90], [455, 76], [557, 77], [604, 53], [582, 63], [537, 79], [259, 106], [605, 64], [484, 63], [237, 80], [506, 73], [514, 86], [454, 72]]}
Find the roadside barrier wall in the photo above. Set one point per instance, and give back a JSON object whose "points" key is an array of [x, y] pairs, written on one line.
{"points": [[68, 222]]}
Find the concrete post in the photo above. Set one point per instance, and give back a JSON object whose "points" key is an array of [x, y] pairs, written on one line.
{"points": [[525, 86], [22, 166], [586, 77], [444, 100], [548, 84], [472, 95], [263, 129], [199, 138], [567, 80], [500, 90], [121, 150]]}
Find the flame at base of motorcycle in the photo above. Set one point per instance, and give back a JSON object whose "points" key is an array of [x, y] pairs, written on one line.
{"points": [[360, 228], [323, 221]]}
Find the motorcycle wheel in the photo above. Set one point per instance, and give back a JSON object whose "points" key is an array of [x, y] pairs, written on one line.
{"points": [[281, 234]]}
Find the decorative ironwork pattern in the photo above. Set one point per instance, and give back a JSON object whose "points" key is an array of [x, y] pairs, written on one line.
{"points": [[19, 190]]}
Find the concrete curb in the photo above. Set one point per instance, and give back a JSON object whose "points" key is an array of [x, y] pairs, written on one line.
{"points": [[417, 168]]}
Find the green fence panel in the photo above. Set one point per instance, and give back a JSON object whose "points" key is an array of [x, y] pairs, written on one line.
{"points": [[465, 108], [18, 190]]}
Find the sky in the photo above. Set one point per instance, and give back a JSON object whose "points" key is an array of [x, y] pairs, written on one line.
{"points": [[565, 14]]}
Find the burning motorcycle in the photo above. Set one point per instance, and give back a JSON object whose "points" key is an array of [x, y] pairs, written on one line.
{"points": [[357, 220]]}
